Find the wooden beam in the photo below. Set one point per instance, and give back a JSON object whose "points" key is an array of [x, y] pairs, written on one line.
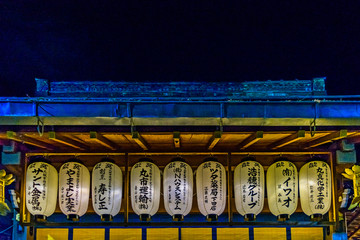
{"points": [[253, 138], [27, 140], [139, 140], [66, 141], [176, 137], [353, 140], [99, 138], [326, 139], [287, 140], [214, 140]]}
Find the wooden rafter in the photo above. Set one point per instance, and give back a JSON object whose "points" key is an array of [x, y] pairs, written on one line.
{"points": [[99, 138], [287, 140], [139, 140], [66, 141], [27, 140], [355, 139], [326, 139], [253, 138], [214, 140]]}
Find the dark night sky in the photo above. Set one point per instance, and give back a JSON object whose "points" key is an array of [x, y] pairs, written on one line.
{"points": [[174, 41]]}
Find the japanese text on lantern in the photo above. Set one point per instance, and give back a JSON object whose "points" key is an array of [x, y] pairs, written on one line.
{"points": [[250, 191], [39, 181], [321, 185], [177, 183], [286, 197], [71, 191], [145, 188], [103, 190], [215, 181]]}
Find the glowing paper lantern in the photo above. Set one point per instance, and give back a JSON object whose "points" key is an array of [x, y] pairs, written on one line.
{"points": [[41, 189], [145, 188], [178, 188], [74, 189], [211, 188], [106, 183], [282, 188], [315, 189], [249, 188]]}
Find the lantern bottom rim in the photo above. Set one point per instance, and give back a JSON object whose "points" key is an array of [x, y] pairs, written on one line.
{"points": [[178, 217], [316, 217], [211, 217], [250, 217], [106, 217], [283, 217], [145, 217], [40, 218], [73, 217]]}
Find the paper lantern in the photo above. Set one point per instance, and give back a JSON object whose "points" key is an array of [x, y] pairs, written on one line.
{"points": [[106, 183], [74, 189], [178, 188], [41, 189], [315, 189], [249, 188], [282, 188], [145, 188], [211, 188]]}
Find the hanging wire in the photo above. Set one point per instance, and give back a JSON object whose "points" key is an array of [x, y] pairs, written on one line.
{"points": [[40, 123], [313, 127], [6, 229], [40, 126], [313, 122]]}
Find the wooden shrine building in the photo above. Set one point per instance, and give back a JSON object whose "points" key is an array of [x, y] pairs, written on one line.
{"points": [[229, 121]]}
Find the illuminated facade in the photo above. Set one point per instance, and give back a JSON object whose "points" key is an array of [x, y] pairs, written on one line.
{"points": [[82, 120]]}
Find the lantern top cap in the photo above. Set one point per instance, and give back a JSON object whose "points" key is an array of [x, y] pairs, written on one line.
{"points": [[281, 159], [178, 159], [74, 160], [145, 159], [210, 159], [316, 158], [248, 158], [39, 159], [107, 159]]}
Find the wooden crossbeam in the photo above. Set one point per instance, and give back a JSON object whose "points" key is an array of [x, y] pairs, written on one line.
{"points": [[176, 137], [326, 139], [99, 138], [27, 140], [287, 140], [253, 138], [139, 140], [214, 140], [66, 141]]}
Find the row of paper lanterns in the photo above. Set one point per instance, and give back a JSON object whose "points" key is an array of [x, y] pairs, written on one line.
{"points": [[72, 188]]}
